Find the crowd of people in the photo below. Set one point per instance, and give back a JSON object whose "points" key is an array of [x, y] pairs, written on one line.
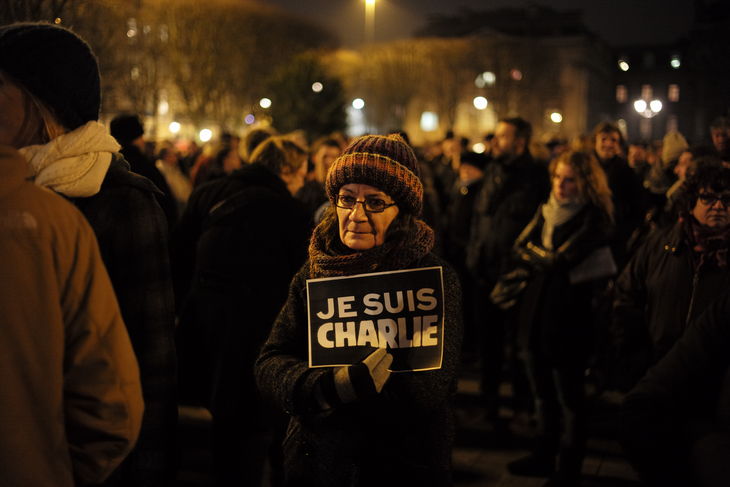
{"points": [[156, 277]]}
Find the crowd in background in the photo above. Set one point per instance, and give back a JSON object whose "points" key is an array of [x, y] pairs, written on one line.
{"points": [[596, 259]]}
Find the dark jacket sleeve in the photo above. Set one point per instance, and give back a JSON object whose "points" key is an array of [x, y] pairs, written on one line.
{"points": [[654, 412], [282, 369]]}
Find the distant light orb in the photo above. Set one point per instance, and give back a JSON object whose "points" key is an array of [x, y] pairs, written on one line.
{"points": [[358, 103], [556, 117], [479, 148], [489, 78], [655, 106], [479, 82], [264, 103], [174, 127], [163, 107], [516, 74], [317, 87], [640, 106], [623, 65], [57, 20], [429, 121], [480, 103], [675, 62], [131, 33], [205, 135], [249, 119]]}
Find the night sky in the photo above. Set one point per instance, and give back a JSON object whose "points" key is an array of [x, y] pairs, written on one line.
{"points": [[620, 22]]}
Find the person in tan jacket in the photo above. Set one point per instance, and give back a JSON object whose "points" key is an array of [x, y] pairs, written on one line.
{"points": [[70, 401]]}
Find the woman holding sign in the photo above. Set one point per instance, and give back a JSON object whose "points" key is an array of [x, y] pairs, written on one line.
{"points": [[354, 422], [564, 248]]}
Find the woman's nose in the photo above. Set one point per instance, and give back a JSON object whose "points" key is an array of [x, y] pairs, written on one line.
{"points": [[358, 212]]}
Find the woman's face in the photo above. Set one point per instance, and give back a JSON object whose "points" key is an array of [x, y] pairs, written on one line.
{"points": [[12, 112], [565, 185], [361, 230]]}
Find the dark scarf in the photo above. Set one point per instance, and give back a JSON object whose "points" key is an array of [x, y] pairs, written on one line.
{"points": [[397, 252], [710, 244]]}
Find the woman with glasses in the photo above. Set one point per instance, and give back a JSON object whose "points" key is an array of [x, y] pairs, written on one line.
{"points": [[360, 424], [676, 273], [555, 313]]}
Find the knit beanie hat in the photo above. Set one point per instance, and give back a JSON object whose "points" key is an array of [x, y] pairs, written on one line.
{"points": [[56, 66], [384, 162], [673, 145], [126, 128]]}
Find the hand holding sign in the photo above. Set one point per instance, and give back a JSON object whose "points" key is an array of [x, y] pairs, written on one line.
{"points": [[365, 378]]}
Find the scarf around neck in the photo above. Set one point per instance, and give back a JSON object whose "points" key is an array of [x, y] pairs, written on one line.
{"points": [[393, 254], [555, 214], [73, 164], [711, 245]]}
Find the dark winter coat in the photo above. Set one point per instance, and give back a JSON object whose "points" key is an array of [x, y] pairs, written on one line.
{"points": [[512, 189], [248, 236], [658, 293], [630, 203], [132, 233], [402, 436], [554, 315], [142, 165], [675, 423]]}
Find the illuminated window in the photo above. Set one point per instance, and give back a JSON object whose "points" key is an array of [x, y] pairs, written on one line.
{"points": [[647, 92], [622, 94], [673, 92]]}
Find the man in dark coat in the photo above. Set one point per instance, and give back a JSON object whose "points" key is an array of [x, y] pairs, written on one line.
{"points": [[675, 275], [240, 241], [129, 132], [513, 187]]}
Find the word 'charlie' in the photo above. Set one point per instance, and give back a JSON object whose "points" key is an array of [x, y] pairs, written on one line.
{"points": [[393, 333]]}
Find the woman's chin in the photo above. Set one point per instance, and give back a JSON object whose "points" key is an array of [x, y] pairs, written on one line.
{"points": [[360, 241]]}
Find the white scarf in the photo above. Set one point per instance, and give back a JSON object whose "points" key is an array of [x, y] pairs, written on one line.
{"points": [[73, 164], [555, 214]]}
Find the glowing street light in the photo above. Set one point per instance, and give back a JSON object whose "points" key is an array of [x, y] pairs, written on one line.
{"points": [[317, 87], [174, 127], [648, 110], [623, 65], [264, 103], [480, 103], [556, 117], [205, 135], [358, 103], [369, 21]]}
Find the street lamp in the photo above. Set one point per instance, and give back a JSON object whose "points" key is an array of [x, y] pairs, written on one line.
{"points": [[369, 21], [647, 110]]}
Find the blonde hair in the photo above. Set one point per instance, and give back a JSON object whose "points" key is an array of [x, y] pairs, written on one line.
{"points": [[280, 154], [40, 125], [590, 178]]}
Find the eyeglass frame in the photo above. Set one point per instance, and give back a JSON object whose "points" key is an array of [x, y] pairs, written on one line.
{"points": [[709, 199], [363, 203]]}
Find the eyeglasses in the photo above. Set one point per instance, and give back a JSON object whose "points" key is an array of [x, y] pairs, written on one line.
{"points": [[370, 205], [710, 199]]}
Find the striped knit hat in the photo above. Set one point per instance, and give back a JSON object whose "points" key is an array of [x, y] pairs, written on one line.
{"points": [[384, 162]]}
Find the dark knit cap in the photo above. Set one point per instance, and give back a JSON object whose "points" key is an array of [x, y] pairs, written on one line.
{"points": [[125, 128], [56, 66], [384, 162]]}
